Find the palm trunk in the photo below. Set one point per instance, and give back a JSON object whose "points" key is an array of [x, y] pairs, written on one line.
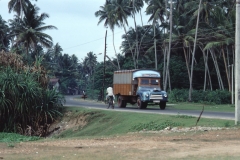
{"points": [[142, 39], [170, 41], [217, 69], [133, 56], [226, 69], [169, 82], [141, 18], [164, 67], [187, 64], [115, 51], [207, 73], [155, 47], [209, 76], [136, 50], [193, 56]]}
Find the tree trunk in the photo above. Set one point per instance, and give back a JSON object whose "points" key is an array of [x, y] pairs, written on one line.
{"points": [[207, 73], [133, 56], [136, 50], [226, 69], [187, 64], [170, 41], [115, 51], [193, 56], [164, 67], [154, 29], [217, 69]]}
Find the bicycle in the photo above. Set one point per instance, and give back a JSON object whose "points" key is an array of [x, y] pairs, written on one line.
{"points": [[110, 102]]}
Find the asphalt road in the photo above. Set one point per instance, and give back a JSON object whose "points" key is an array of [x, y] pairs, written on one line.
{"points": [[72, 101]]}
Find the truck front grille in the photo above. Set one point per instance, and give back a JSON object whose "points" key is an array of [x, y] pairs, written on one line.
{"points": [[156, 97]]}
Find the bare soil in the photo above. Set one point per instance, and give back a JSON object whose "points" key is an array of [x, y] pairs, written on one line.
{"points": [[167, 144]]}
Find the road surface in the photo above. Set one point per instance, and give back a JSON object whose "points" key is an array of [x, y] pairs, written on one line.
{"points": [[73, 101]]}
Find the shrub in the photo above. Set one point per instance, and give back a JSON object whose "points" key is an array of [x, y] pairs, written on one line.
{"points": [[27, 106], [200, 96]]}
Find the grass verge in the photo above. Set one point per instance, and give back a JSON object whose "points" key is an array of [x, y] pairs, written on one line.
{"points": [[110, 122]]}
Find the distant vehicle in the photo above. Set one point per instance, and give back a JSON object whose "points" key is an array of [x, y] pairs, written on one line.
{"points": [[138, 86]]}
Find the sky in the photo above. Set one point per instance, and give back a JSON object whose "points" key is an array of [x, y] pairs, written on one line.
{"points": [[78, 30]]}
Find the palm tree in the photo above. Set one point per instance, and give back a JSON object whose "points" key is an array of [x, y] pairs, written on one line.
{"points": [[4, 30], [222, 38], [18, 6], [29, 32], [91, 61], [122, 11], [135, 6], [106, 14], [156, 9]]}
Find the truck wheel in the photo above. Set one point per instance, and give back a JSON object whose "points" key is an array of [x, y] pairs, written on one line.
{"points": [[121, 102], [162, 105], [140, 104]]}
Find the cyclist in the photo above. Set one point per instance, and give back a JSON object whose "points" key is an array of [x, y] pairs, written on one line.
{"points": [[110, 96]]}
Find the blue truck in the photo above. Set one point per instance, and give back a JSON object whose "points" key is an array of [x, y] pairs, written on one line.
{"points": [[139, 86]]}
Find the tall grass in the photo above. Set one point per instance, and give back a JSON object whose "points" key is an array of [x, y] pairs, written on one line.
{"points": [[26, 107]]}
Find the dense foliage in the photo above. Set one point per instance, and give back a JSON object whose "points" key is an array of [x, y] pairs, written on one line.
{"points": [[27, 106], [201, 96]]}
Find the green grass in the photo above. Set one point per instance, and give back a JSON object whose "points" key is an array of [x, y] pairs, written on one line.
{"points": [[199, 106], [110, 122], [12, 138]]}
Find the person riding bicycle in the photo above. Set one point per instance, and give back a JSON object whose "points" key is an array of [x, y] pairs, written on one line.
{"points": [[110, 95]]}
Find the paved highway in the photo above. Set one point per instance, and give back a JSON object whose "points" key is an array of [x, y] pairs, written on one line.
{"points": [[72, 101]]}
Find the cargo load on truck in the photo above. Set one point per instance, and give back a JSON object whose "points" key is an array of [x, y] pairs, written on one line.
{"points": [[139, 87]]}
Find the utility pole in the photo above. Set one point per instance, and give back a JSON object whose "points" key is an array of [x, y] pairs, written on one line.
{"points": [[237, 66], [103, 92]]}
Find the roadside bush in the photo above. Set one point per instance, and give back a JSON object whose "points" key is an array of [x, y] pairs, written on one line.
{"points": [[200, 96], [178, 95], [26, 107]]}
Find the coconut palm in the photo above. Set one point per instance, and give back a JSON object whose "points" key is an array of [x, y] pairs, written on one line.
{"points": [[4, 30], [135, 6], [122, 11], [222, 38], [106, 13], [29, 31], [157, 11], [91, 61], [18, 6]]}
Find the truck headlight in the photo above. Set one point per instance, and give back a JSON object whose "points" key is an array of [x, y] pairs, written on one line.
{"points": [[165, 95], [146, 95]]}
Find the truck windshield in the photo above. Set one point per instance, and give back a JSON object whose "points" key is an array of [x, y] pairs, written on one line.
{"points": [[144, 81], [154, 82], [149, 82], [149, 88]]}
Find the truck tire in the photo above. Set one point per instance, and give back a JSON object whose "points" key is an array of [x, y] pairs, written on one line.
{"points": [[162, 105], [121, 102], [140, 104]]}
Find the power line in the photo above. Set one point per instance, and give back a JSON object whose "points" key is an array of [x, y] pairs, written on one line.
{"points": [[89, 42]]}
